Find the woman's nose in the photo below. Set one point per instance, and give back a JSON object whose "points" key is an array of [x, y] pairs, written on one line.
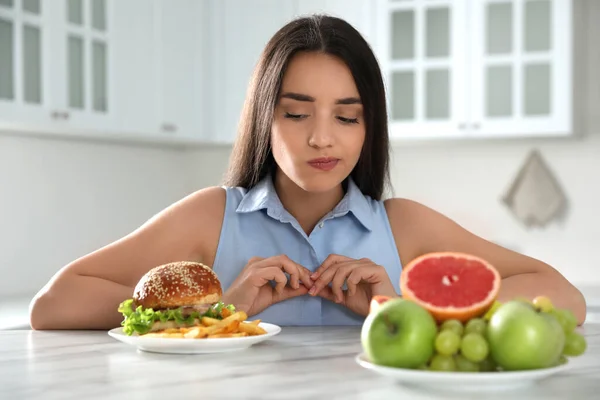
{"points": [[321, 135]]}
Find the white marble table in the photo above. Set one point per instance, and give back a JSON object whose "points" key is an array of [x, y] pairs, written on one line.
{"points": [[299, 363]]}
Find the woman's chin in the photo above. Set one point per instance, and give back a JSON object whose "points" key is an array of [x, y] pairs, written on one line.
{"points": [[318, 183]]}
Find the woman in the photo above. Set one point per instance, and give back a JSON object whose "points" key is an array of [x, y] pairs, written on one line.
{"points": [[300, 234]]}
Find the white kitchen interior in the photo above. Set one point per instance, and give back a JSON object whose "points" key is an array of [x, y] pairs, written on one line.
{"points": [[112, 110]]}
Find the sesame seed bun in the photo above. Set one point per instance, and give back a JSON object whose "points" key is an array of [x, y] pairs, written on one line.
{"points": [[182, 283]]}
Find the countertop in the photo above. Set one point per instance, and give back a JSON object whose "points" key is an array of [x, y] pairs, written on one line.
{"points": [[299, 363], [14, 312]]}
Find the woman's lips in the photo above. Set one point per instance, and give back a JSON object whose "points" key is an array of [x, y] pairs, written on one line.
{"points": [[324, 163]]}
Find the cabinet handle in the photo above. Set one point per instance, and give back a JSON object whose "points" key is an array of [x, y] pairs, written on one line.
{"points": [[462, 126], [166, 127], [475, 126], [60, 114]]}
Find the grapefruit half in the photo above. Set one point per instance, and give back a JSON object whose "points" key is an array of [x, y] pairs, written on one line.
{"points": [[451, 285]]}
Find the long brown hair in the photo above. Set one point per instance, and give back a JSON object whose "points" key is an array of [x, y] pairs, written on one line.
{"points": [[251, 159]]}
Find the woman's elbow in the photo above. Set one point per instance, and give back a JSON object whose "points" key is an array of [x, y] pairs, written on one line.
{"points": [[39, 318], [579, 307], [43, 306]]}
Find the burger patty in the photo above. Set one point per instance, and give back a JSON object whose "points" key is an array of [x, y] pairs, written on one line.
{"points": [[186, 311], [161, 326], [201, 308]]}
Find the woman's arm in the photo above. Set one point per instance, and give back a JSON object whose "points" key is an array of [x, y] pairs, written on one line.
{"points": [[78, 302], [418, 230], [86, 293]]}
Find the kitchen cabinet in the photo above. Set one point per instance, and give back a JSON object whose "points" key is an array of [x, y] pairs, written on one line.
{"points": [[55, 65], [355, 12], [471, 68], [239, 30], [179, 63], [178, 71], [101, 68]]}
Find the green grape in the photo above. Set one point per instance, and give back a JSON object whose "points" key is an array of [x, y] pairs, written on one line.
{"points": [[447, 342], [464, 365], [575, 344], [476, 325], [543, 303], [474, 347], [560, 318], [440, 362], [453, 325], [487, 365], [570, 318], [423, 367], [565, 318]]}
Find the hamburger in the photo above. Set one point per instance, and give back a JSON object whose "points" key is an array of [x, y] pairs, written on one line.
{"points": [[173, 295]]}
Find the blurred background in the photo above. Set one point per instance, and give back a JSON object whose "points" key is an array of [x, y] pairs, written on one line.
{"points": [[112, 110]]}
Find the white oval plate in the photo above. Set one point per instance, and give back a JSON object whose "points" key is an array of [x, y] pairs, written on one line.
{"points": [[193, 346], [461, 381]]}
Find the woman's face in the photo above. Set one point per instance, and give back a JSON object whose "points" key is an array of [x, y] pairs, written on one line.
{"points": [[318, 127]]}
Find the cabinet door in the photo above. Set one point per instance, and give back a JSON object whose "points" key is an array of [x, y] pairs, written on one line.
{"points": [[25, 95], [83, 63], [178, 41], [421, 48], [521, 67], [239, 32], [355, 12], [134, 77]]}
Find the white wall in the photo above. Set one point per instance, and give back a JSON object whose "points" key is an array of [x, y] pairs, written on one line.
{"points": [[62, 199]]}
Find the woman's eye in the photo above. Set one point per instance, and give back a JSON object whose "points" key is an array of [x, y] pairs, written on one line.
{"points": [[348, 120], [294, 116]]}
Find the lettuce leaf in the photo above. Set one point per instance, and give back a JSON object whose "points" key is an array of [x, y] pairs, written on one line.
{"points": [[140, 320]]}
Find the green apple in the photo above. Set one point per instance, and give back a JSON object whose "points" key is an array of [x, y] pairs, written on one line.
{"points": [[399, 333], [521, 337]]}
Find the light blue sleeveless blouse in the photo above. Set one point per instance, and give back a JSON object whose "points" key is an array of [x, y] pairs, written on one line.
{"points": [[256, 224]]}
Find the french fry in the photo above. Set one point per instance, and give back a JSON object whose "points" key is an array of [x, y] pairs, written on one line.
{"points": [[225, 312], [196, 333], [208, 321], [251, 329], [232, 325]]}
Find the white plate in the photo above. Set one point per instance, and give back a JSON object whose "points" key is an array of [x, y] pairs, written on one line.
{"points": [[461, 381], [193, 346]]}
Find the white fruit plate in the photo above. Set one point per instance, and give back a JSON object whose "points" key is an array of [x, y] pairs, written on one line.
{"points": [[194, 346], [461, 381]]}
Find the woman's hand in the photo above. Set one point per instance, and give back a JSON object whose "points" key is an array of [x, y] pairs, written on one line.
{"points": [[252, 291], [363, 278]]}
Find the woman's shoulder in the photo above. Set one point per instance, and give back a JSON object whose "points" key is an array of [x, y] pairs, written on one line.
{"points": [[412, 224], [410, 214], [200, 214], [202, 202], [399, 206]]}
